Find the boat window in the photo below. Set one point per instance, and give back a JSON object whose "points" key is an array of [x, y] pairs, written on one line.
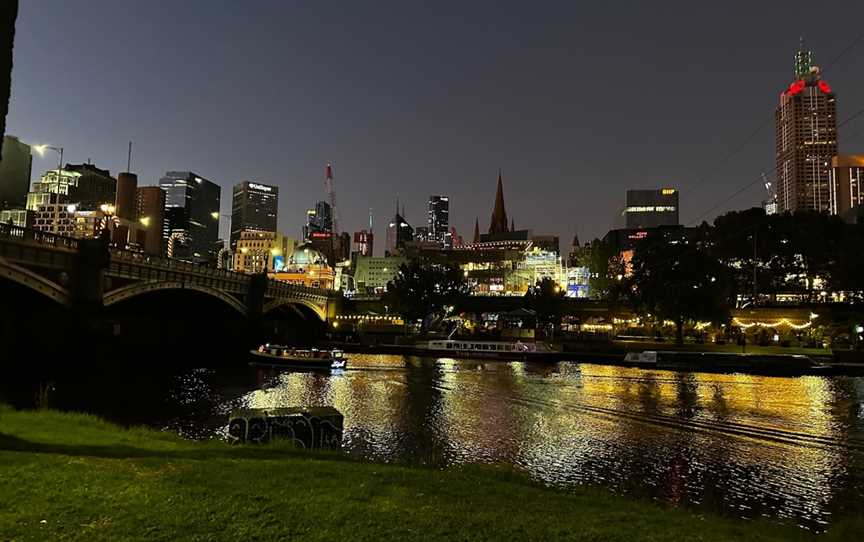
{"points": [[449, 346]]}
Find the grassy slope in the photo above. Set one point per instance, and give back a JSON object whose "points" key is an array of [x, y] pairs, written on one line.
{"points": [[72, 476]]}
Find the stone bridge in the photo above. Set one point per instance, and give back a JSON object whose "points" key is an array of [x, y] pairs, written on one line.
{"points": [[90, 273]]}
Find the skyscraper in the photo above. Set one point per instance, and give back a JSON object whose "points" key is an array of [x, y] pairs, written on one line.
{"points": [[319, 221], [847, 178], [806, 138], [651, 208], [439, 221], [15, 169], [399, 232], [254, 206], [191, 215]]}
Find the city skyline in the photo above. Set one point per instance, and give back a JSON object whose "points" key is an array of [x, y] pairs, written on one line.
{"points": [[566, 166]]}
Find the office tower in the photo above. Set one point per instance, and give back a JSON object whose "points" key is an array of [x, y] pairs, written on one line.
{"points": [[94, 186], [845, 183], [399, 232], [254, 206], [191, 215], [319, 221], [806, 139], [15, 169], [55, 186], [651, 208], [364, 242], [439, 221], [150, 210]]}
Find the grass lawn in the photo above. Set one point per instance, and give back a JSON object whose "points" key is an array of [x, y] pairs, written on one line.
{"points": [[76, 477]]}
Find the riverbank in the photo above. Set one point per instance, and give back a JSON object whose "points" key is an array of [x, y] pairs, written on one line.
{"points": [[73, 476]]}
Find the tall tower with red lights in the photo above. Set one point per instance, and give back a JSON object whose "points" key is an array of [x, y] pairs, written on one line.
{"points": [[806, 138]]}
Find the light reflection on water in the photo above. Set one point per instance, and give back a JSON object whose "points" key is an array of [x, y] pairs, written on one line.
{"points": [[745, 445]]}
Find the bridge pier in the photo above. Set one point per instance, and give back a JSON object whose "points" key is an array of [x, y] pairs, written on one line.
{"points": [[88, 278]]}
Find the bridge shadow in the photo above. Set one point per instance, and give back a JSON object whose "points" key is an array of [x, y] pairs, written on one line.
{"points": [[277, 450]]}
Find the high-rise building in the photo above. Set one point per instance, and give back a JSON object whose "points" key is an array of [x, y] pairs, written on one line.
{"points": [[806, 138], [439, 221], [94, 186], [651, 208], [318, 220], [399, 232], [254, 206], [845, 183], [150, 207], [364, 242], [15, 169], [191, 215]]}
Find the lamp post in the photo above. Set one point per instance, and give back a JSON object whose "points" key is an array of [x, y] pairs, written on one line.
{"points": [[59, 150]]}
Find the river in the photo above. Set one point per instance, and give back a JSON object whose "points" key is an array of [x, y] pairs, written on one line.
{"points": [[744, 446]]}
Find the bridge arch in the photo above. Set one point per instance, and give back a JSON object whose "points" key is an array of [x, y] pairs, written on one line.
{"points": [[35, 282], [133, 290], [319, 310]]}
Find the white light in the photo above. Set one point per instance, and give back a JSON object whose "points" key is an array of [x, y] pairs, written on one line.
{"points": [[71, 208]]}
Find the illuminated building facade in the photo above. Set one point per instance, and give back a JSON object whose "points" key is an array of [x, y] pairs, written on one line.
{"points": [[371, 274], [254, 206], [845, 183], [52, 182], [17, 217], [578, 282], [307, 267], [66, 219], [364, 243], [439, 222], [191, 215], [15, 169], [262, 251], [651, 208], [805, 139]]}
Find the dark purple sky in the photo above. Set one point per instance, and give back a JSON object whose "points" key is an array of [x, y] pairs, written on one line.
{"points": [[575, 101]]}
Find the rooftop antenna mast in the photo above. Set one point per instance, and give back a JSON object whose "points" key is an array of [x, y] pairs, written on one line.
{"points": [[129, 159]]}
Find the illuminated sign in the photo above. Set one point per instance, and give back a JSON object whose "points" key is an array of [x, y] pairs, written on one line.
{"points": [[649, 208], [321, 235], [667, 191], [278, 263], [260, 187], [638, 235]]}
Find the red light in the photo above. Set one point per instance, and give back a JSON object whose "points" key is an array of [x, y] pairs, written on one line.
{"points": [[796, 87], [823, 86]]}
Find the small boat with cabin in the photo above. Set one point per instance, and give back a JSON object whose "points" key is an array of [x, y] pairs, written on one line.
{"points": [[288, 356]]}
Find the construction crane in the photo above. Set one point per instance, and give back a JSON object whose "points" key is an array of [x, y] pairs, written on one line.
{"points": [[331, 195]]}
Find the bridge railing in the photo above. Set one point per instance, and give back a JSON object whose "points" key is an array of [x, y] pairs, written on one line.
{"points": [[176, 265], [275, 288], [28, 235]]}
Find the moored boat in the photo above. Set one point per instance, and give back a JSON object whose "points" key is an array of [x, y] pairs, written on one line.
{"points": [[288, 356], [463, 348], [772, 364]]}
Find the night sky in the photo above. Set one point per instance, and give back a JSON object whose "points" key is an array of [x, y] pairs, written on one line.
{"points": [[574, 101]]}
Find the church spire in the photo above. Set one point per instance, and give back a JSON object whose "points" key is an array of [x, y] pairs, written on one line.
{"points": [[498, 224], [512, 224], [476, 230]]}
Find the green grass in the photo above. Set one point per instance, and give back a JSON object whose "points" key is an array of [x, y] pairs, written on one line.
{"points": [[76, 477]]}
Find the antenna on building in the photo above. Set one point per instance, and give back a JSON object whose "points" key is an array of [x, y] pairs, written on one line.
{"points": [[129, 159], [370, 218]]}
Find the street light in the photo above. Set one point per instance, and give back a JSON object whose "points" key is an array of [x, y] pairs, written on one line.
{"points": [[145, 221], [59, 150]]}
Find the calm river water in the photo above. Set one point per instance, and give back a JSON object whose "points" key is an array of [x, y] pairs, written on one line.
{"points": [[747, 446]]}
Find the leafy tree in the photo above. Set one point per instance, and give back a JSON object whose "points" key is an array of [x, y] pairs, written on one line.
{"points": [[605, 265], [679, 282], [546, 299], [421, 290]]}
